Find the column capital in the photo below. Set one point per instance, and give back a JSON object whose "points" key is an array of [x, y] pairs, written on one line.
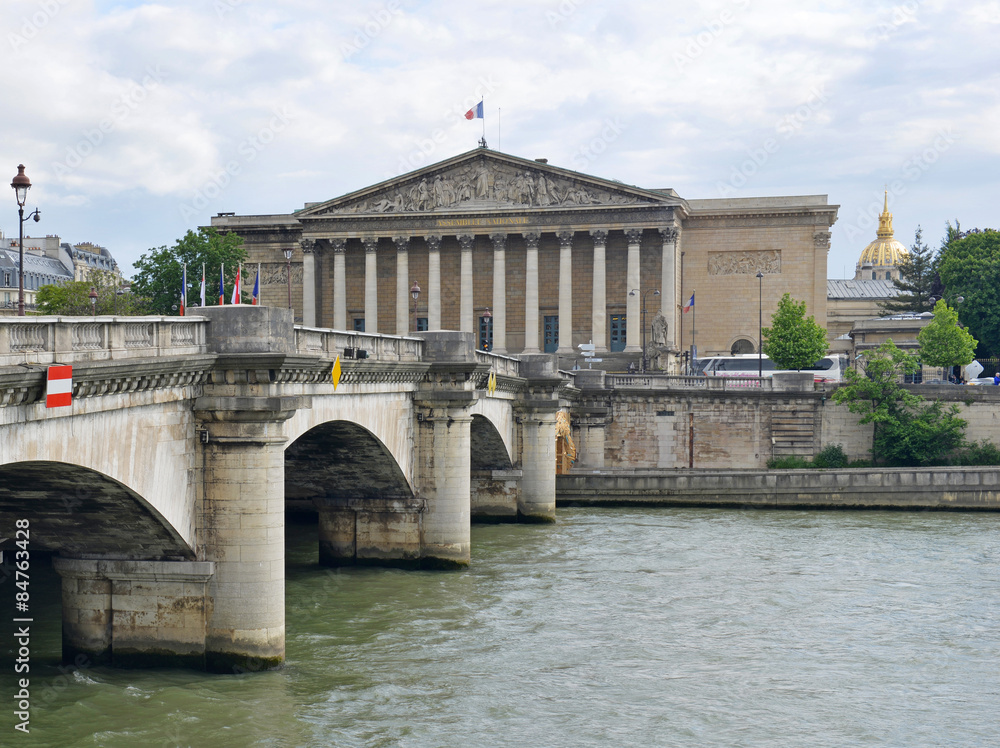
{"points": [[308, 245], [531, 240], [370, 244], [499, 241], [339, 246], [634, 236], [565, 238], [466, 240], [600, 236], [402, 243], [669, 234], [433, 242]]}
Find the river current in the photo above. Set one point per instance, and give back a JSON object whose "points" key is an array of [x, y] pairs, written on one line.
{"points": [[646, 627]]}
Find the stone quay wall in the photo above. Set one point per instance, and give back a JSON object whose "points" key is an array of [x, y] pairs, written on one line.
{"points": [[877, 488]]}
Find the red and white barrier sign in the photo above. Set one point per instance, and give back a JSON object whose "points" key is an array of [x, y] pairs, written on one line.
{"points": [[59, 388]]}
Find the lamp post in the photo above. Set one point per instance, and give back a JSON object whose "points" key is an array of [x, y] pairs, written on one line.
{"points": [[288, 274], [93, 301], [415, 293], [760, 325], [655, 292], [21, 185], [487, 315]]}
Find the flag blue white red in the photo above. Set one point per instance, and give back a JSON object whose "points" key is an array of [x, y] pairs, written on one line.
{"points": [[237, 290], [222, 282], [255, 300], [203, 284], [690, 304], [476, 112], [184, 288]]}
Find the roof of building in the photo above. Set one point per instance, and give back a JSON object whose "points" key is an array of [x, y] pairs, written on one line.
{"points": [[34, 264], [885, 251], [860, 289]]}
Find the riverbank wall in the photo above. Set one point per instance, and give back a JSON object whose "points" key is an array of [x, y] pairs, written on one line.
{"points": [[965, 488]]}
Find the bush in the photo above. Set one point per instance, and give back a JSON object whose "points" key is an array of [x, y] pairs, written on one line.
{"points": [[978, 453], [831, 457], [791, 462]]}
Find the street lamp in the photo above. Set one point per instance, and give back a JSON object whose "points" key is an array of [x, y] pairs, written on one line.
{"points": [[415, 293], [288, 274], [487, 315], [21, 185], [655, 292], [760, 325], [93, 301]]}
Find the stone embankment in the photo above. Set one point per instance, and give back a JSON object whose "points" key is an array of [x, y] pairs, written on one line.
{"points": [[965, 488]]}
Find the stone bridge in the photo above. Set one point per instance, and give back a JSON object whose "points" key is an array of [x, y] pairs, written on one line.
{"points": [[162, 490]]}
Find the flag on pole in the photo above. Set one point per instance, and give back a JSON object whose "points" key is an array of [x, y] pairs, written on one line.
{"points": [[476, 112], [59, 387], [255, 300], [237, 291], [184, 288], [690, 304], [222, 282], [203, 284]]}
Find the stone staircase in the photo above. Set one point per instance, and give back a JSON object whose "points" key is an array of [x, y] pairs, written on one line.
{"points": [[793, 430]]}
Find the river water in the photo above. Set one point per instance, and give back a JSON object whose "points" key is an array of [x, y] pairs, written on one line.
{"points": [[649, 627]]}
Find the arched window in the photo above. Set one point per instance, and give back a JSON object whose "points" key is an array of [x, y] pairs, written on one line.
{"points": [[873, 275], [888, 275], [742, 346]]}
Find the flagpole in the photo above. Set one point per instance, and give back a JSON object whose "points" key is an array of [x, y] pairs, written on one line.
{"points": [[498, 128], [484, 119], [694, 311]]}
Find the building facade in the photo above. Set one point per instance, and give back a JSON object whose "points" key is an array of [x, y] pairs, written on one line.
{"points": [[533, 257]]}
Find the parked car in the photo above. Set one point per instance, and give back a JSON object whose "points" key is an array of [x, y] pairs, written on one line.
{"points": [[981, 380]]}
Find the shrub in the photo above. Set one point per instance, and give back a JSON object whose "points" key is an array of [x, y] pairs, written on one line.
{"points": [[790, 462], [978, 453], [831, 457]]}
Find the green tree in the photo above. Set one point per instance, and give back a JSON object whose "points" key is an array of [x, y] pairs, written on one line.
{"points": [[918, 280], [944, 342], [73, 299], [159, 271], [970, 267], [904, 432], [793, 340]]}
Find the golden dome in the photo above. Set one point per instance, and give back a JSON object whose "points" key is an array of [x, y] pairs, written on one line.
{"points": [[885, 251]]}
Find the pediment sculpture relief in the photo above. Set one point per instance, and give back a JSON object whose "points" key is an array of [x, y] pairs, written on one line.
{"points": [[486, 185]]}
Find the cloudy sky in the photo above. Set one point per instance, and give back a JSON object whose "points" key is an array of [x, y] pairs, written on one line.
{"points": [[139, 120]]}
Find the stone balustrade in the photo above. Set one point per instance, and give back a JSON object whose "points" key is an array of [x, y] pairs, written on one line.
{"points": [[332, 343], [503, 366], [70, 340], [671, 382]]}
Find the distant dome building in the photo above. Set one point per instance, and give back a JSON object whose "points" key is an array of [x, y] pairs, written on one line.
{"points": [[880, 259]]}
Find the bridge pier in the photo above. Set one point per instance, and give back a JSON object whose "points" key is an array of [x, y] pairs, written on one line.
{"points": [[134, 613], [357, 532], [537, 416]]}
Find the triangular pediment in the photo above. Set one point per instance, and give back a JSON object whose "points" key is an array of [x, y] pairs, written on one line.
{"points": [[481, 181]]}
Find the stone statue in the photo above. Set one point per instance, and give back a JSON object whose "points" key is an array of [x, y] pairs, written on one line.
{"points": [[659, 329]]}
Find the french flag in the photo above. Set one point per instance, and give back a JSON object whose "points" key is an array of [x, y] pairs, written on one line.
{"points": [[690, 304], [237, 287], [255, 300], [222, 284], [184, 285], [476, 112]]}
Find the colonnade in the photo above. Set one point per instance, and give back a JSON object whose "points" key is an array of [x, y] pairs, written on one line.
{"points": [[668, 285]]}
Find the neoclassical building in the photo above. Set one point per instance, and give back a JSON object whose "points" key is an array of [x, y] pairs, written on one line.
{"points": [[532, 257]]}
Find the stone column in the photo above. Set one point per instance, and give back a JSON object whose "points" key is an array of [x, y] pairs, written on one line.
{"points": [[466, 322], [339, 283], [633, 333], [402, 284], [531, 296], [308, 282], [668, 282], [537, 502], [499, 292], [371, 283], [599, 305], [434, 283], [565, 293]]}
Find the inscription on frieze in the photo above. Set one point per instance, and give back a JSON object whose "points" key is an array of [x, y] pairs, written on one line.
{"points": [[271, 273], [767, 261]]}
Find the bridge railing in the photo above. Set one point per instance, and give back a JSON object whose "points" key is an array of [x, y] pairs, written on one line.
{"points": [[502, 365], [669, 381], [332, 343], [68, 340]]}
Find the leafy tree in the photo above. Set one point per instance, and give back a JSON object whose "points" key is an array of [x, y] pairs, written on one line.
{"points": [[944, 342], [904, 432], [918, 280], [970, 267], [793, 340], [73, 299], [159, 271]]}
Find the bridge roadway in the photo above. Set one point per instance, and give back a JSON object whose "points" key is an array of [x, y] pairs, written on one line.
{"points": [[162, 490]]}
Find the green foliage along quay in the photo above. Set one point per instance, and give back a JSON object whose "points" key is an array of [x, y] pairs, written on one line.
{"points": [[793, 340], [969, 266], [944, 342]]}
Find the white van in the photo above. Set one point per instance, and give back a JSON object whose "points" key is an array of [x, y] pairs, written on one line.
{"points": [[827, 369]]}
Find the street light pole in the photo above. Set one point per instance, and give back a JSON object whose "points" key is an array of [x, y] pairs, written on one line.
{"points": [[21, 185], [655, 292], [288, 274], [93, 301], [415, 293], [760, 325]]}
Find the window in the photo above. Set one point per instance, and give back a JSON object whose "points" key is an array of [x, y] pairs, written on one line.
{"points": [[359, 324], [421, 324], [888, 275], [551, 328], [6, 279], [617, 328], [873, 275], [742, 346], [486, 333]]}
